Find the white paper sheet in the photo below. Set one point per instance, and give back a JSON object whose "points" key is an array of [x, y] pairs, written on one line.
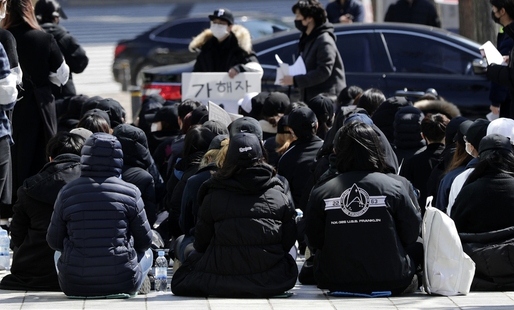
{"points": [[298, 68], [491, 54]]}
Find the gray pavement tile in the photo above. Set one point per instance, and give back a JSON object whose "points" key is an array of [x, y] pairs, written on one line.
{"points": [[423, 301], [482, 299]]}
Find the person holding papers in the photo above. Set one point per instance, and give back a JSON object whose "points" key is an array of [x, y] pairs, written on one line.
{"points": [[224, 47], [503, 13], [318, 49]]}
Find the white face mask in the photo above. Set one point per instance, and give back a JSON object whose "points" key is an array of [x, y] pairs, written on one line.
{"points": [[219, 31], [468, 149]]}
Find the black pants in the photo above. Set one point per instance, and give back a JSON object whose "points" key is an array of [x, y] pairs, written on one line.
{"points": [[5, 178]]}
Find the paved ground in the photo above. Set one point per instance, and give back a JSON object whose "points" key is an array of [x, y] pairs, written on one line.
{"points": [[304, 297]]}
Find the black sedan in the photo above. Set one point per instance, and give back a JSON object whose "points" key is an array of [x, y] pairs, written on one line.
{"points": [[387, 56], [168, 43]]}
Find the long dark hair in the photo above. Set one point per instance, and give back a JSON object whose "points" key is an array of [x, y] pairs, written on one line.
{"points": [[493, 161], [357, 147], [19, 12], [460, 157], [197, 139]]}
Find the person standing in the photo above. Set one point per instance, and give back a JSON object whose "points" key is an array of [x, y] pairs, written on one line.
{"points": [[8, 94], [317, 46], [49, 14], [502, 13], [34, 119], [413, 11], [224, 47], [345, 11]]}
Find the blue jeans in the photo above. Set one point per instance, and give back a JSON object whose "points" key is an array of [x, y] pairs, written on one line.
{"points": [[145, 260]]}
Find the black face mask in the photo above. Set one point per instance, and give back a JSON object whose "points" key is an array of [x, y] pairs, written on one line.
{"points": [[298, 24], [495, 19]]}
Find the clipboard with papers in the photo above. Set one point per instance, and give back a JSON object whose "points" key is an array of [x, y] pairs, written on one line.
{"points": [[283, 69]]}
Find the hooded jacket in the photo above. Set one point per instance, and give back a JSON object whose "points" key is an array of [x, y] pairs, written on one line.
{"points": [[99, 224], [362, 237], [233, 52], [33, 266], [324, 65], [244, 232], [74, 55], [407, 133], [136, 162]]}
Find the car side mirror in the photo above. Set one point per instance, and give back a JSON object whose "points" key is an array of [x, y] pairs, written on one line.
{"points": [[479, 66]]}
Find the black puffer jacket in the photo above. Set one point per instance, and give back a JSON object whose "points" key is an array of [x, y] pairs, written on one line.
{"points": [[99, 224], [32, 214], [244, 232], [362, 223], [492, 253]]}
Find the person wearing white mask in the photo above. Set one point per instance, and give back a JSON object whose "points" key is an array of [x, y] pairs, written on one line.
{"points": [[473, 132], [224, 47]]}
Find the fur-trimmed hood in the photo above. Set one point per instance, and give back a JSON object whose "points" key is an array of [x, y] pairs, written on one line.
{"points": [[242, 34], [438, 106]]}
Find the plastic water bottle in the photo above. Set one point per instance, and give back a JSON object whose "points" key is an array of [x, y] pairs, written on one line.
{"points": [[5, 258], [161, 272]]}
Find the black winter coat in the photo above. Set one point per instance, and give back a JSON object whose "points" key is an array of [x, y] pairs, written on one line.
{"points": [[100, 226], [491, 252], [504, 75], [218, 56], [244, 232], [297, 166], [485, 204], [419, 12], [33, 266], [324, 65], [361, 223], [137, 161], [74, 55]]}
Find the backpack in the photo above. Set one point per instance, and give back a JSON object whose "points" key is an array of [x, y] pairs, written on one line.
{"points": [[447, 269]]}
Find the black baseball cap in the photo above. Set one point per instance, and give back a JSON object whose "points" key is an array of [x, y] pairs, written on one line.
{"points": [[223, 14], [245, 125]]}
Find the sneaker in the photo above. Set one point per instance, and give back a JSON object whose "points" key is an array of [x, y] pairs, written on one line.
{"points": [[146, 286]]}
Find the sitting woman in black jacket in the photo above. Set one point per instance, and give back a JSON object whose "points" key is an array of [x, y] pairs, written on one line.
{"points": [[244, 231], [484, 216], [363, 221]]}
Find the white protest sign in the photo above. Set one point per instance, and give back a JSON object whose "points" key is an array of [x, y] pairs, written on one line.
{"points": [[219, 114], [219, 87]]}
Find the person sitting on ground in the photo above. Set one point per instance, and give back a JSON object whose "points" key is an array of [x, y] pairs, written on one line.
{"points": [[136, 162], [33, 267], [245, 229], [362, 221], [484, 216], [417, 169], [95, 120], [102, 245]]}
